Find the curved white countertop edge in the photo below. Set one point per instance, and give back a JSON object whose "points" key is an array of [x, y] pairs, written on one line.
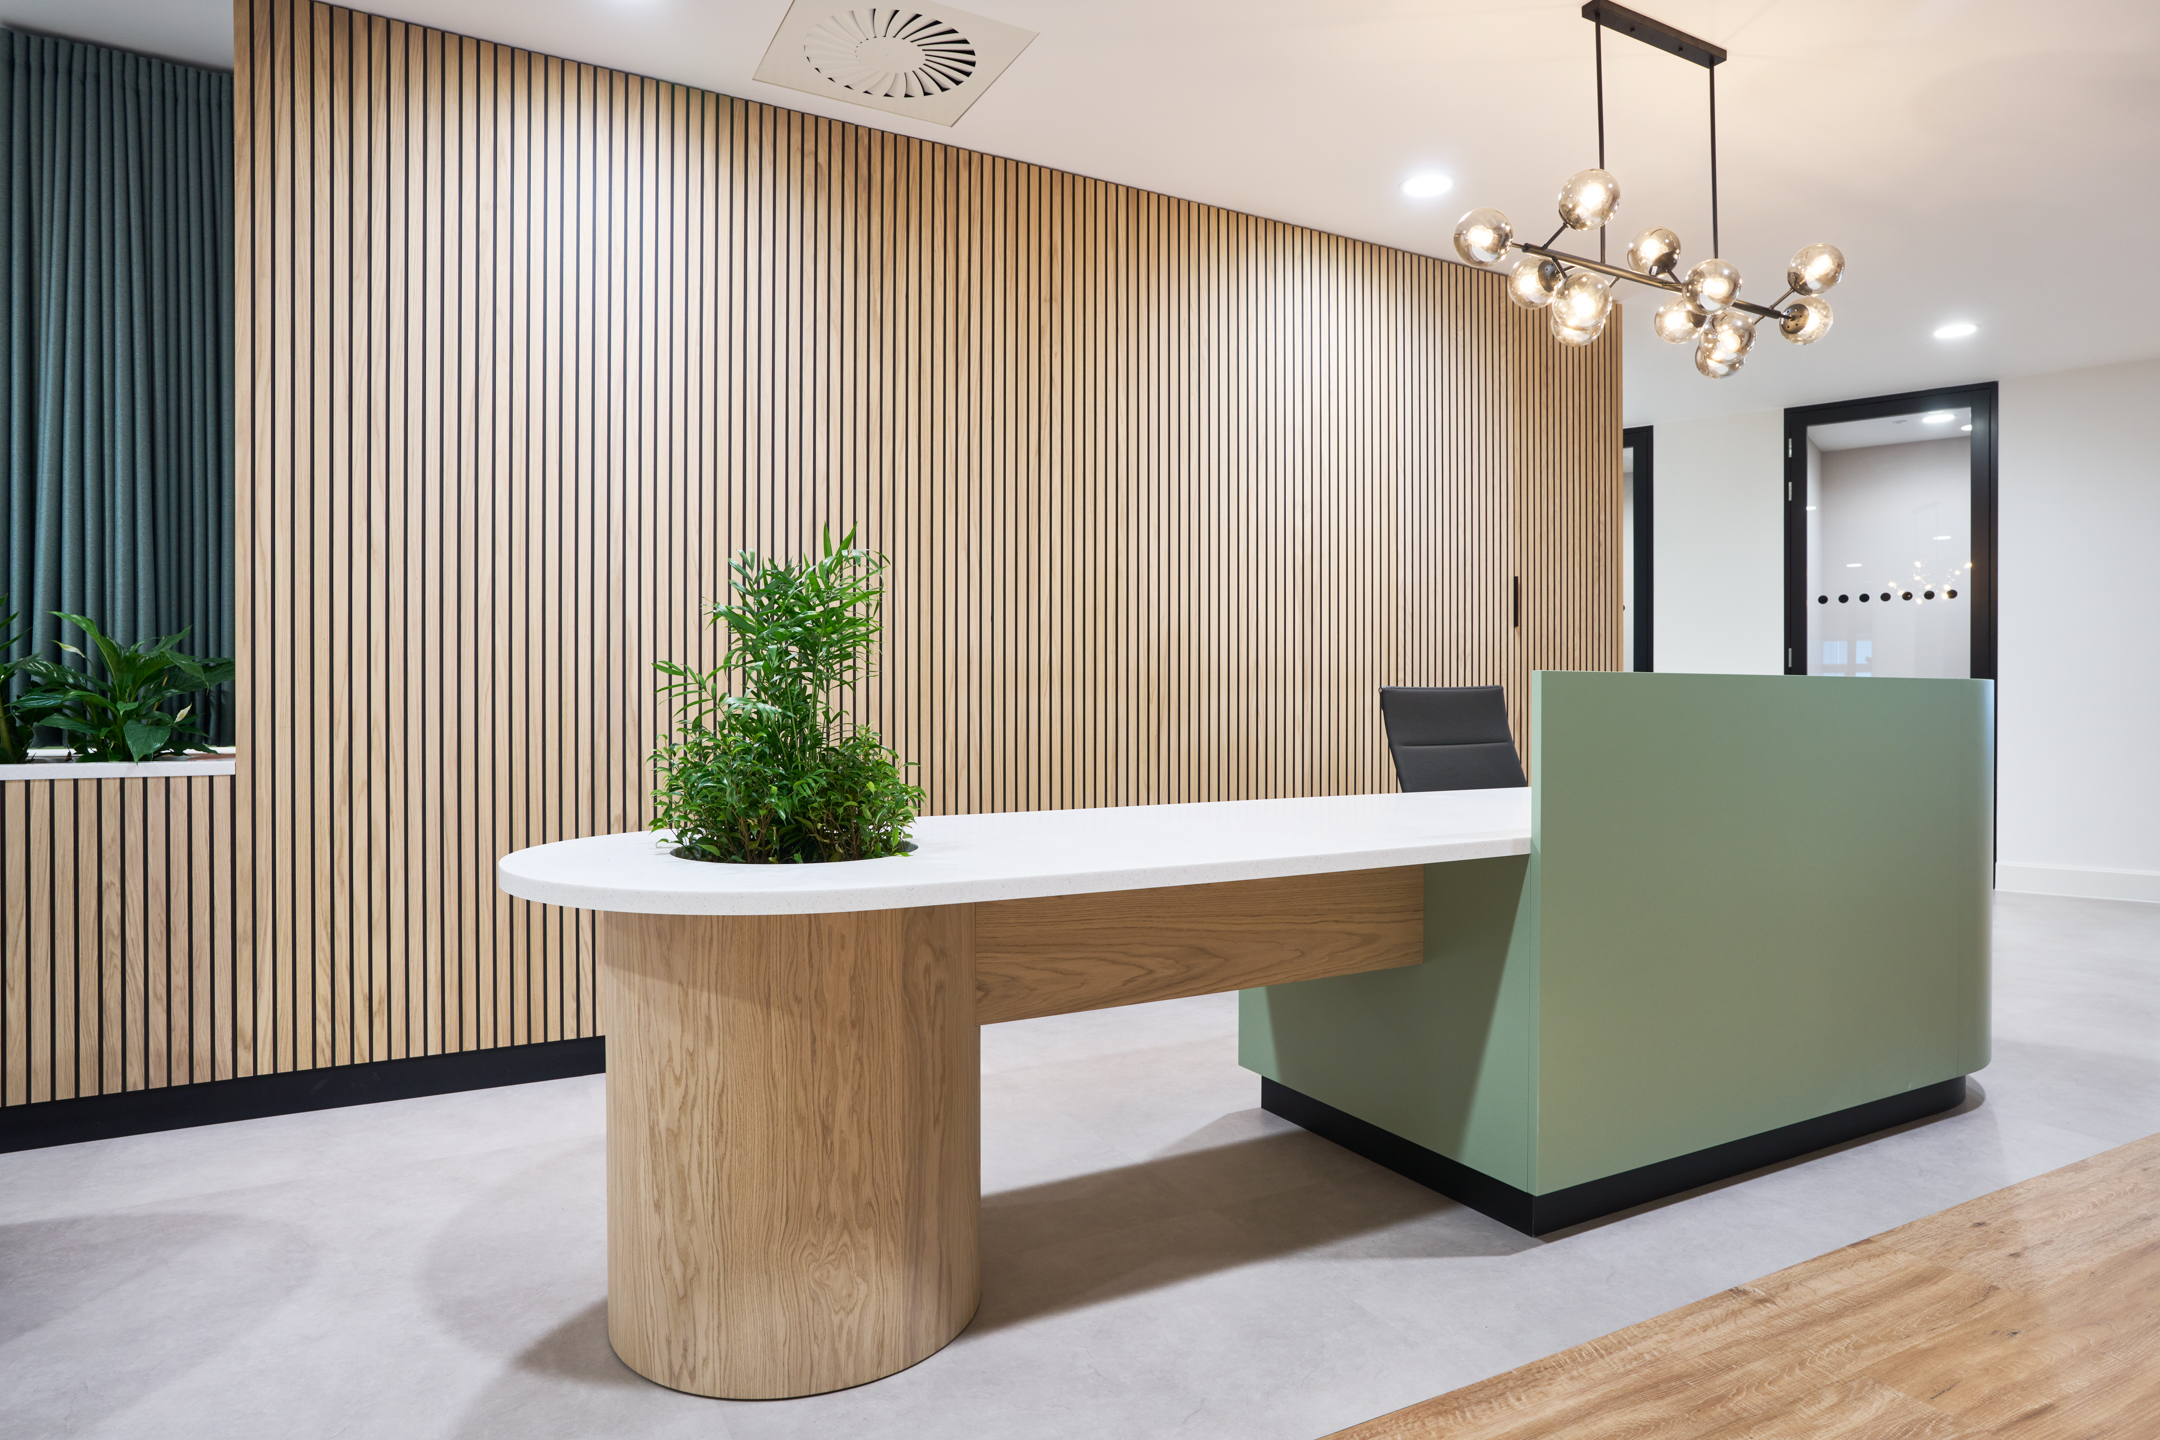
{"points": [[966, 859]]}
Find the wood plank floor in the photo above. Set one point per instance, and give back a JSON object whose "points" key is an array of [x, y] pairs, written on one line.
{"points": [[2033, 1312]]}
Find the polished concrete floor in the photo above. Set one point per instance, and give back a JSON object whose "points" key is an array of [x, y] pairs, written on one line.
{"points": [[1160, 1257]]}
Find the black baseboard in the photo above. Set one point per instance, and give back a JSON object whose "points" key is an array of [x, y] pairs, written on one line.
{"points": [[139, 1112], [1543, 1214]]}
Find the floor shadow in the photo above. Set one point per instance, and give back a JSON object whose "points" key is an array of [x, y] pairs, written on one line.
{"points": [[1975, 1097], [52, 1268], [568, 1385], [99, 1311], [578, 1351], [526, 1248], [1096, 1238]]}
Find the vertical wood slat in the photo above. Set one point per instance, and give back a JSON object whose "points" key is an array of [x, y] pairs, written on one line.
{"points": [[109, 934], [527, 348]]}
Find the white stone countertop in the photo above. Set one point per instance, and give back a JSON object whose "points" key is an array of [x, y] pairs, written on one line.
{"points": [[55, 765], [961, 859]]}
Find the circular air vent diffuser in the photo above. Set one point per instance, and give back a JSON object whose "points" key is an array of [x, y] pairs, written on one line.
{"points": [[892, 54]]}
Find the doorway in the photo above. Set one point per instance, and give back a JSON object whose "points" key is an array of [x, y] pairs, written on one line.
{"points": [[1636, 494], [1890, 535]]}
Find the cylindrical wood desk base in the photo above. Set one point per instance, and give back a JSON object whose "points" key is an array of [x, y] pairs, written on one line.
{"points": [[794, 1162]]}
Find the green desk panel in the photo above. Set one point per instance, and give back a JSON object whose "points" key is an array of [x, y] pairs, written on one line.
{"points": [[1750, 901]]}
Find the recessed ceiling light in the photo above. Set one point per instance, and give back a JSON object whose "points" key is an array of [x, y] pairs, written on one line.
{"points": [[1956, 330], [1426, 184], [1942, 537], [1965, 428], [1853, 566], [1940, 417]]}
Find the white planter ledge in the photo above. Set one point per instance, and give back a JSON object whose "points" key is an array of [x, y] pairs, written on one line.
{"points": [[55, 765]]}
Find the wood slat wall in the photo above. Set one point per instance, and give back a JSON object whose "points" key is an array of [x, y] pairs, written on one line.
{"points": [[117, 956], [527, 348]]}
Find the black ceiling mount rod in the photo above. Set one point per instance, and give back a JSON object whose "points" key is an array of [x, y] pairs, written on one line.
{"points": [[1654, 32], [1657, 33], [1597, 35]]}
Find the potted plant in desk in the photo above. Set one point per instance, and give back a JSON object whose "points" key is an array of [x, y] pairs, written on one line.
{"points": [[131, 706], [764, 766]]}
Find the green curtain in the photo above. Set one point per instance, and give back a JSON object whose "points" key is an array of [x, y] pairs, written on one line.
{"points": [[116, 221]]}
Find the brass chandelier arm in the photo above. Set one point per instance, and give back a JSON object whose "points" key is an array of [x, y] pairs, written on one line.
{"points": [[1619, 273]]}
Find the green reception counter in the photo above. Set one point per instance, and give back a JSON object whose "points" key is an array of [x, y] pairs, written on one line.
{"points": [[1735, 919]]}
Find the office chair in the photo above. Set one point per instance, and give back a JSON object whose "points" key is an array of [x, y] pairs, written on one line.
{"points": [[1452, 737]]}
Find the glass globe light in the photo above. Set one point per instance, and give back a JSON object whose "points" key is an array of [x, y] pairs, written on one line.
{"points": [[1711, 365], [1582, 302], [1712, 286], [1534, 282], [1483, 236], [1729, 335], [1815, 269], [1678, 321], [1654, 252], [1588, 199], [1806, 320], [1569, 334]]}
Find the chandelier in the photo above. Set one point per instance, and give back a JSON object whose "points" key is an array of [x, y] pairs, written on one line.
{"points": [[1704, 307]]}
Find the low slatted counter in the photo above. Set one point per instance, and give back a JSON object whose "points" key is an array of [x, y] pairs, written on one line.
{"points": [[793, 1071]]}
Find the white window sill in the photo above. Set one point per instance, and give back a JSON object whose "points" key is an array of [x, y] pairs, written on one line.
{"points": [[55, 765]]}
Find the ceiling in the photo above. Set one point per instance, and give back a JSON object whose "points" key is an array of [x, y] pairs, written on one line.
{"points": [[1965, 154]]}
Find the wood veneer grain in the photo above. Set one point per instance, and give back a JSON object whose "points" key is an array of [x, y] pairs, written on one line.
{"points": [[1086, 952], [109, 934], [794, 1163], [525, 348], [2033, 1312]]}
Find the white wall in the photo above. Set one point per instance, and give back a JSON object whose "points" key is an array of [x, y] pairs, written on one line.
{"points": [[2079, 629], [2078, 617], [1718, 533]]}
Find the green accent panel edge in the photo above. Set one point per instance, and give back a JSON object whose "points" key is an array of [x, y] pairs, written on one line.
{"points": [[1443, 1053]]}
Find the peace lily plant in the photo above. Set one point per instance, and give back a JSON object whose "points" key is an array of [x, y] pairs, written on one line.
{"points": [[127, 703]]}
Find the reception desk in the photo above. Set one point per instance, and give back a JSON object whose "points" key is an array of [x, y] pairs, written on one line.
{"points": [[1732, 916]]}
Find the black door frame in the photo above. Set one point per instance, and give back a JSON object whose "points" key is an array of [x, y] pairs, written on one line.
{"points": [[1639, 439], [1982, 400]]}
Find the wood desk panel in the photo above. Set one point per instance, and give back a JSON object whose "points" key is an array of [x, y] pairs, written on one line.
{"points": [[1065, 953], [793, 1146]]}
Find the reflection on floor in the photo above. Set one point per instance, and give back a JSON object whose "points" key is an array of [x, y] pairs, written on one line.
{"points": [[2033, 1311], [1161, 1257]]}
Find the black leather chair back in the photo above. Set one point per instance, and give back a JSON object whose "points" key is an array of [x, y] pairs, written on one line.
{"points": [[1450, 737]]}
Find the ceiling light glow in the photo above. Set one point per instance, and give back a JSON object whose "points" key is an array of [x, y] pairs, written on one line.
{"points": [[1956, 330], [1940, 417], [1703, 305], [1426, 185], [1966, 428]]}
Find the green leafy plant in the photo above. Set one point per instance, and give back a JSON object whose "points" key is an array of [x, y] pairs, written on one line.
{"points": [[14, 730], [124, 708], [764, 767]]}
